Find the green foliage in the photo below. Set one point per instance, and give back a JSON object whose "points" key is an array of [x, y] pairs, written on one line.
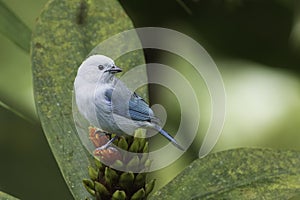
{"points": [[60, 43], [238, 174], [2, 104], [13, 28], [5, 196]]}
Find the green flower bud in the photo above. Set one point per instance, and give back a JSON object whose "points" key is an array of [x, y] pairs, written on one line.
{"points": [[135, 145], [142, 142], [117, 164], [126, 180], [148, 163], [129, 140], [119, 195], [140, 180], [101, 189], [140, 194], [123, 143], [133, 163], [93, 173], [98, 164], [149, 187], [89, 186], [110, 176], [144, 158], [146, 148], [140, 133]]}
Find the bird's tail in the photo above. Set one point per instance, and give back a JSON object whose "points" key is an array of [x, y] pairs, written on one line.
{"points": [[169, 137]]}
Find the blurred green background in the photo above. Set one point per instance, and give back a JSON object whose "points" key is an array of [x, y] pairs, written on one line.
{"points": [[255, 44]]}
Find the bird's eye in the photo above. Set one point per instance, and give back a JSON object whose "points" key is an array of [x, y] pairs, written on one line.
{"points": [[100, 67]]}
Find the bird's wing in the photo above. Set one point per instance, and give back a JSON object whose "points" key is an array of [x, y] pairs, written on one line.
{"points": [[136, 109], [139, 109]]}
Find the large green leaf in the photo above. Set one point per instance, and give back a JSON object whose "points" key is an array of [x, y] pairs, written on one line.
{"points": [[238, 174], [13, 28], [5, 196], [66, 32], [7, 107]]}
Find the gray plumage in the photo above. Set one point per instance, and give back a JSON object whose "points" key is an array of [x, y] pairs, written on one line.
{"points": [[108, 104]]}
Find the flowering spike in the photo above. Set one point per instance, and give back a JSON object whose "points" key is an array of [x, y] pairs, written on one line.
{"points": [[108, 183]]}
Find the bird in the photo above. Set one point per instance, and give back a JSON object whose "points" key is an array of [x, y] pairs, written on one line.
{"points": [[107, 103]]}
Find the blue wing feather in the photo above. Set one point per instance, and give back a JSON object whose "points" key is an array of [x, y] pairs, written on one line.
{"points": [[138, 108]]}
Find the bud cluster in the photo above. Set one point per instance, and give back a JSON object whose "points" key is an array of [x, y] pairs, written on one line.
{"points": [[108, 183]]}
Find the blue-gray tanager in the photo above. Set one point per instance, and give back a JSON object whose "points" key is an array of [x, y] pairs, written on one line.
{"points": [[108, 104]]}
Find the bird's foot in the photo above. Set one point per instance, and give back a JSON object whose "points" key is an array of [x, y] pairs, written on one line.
{"points": [[101, 132], [97, 137], [105, 146]]}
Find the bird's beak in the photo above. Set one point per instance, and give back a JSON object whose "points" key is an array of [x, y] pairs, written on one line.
{"points": [[114, 69]]}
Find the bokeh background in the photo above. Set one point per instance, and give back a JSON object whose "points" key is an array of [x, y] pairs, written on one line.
{"points": [[255, 44]]}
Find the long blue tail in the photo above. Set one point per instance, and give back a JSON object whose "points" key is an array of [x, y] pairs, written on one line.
{"points": [[169, 137]]}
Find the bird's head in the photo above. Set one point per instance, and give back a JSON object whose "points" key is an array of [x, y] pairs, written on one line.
{"points": [[97, 67]]}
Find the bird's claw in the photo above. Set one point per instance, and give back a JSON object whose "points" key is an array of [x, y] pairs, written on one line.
{"points": [[101, 132]]}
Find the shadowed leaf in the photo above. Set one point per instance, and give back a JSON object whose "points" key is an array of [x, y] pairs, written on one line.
{"points": [[7, 107], [65, 34], [13, 28], [294, 37], [7, 196], [238, 174]]}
